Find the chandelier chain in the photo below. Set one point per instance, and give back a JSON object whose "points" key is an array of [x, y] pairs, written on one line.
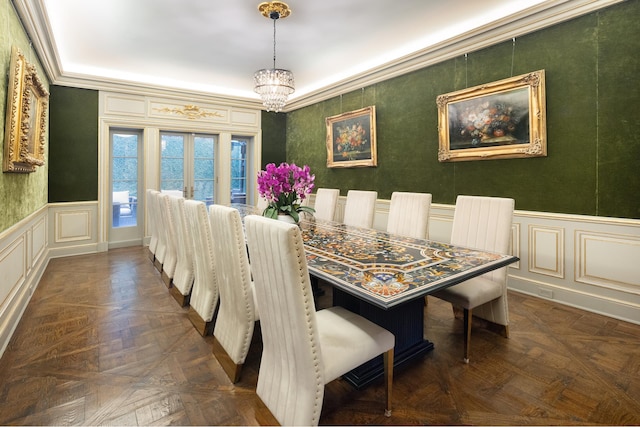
{"points": [[274, 42]]}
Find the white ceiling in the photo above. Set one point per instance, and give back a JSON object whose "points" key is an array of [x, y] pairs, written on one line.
{"points": [[213, 47]]}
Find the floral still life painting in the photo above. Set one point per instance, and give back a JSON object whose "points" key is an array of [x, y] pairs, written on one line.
{"points": [[502, 119], [493, 120], [351, 139], [285, 188]]}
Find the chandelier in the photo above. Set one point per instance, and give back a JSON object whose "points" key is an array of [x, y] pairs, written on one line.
{"points": [[274, 85]]}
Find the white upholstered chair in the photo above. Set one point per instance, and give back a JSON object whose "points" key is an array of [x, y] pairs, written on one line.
{"points": [[303, 349], [161, 250], [161, 247], [238, 311], [409, 214], [168, 230], [174, 193], [360, 208], [204, 293], [184, 272], [482, 223], [152, 226], [325, 203]]}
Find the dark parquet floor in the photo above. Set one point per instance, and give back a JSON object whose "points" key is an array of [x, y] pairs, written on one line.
{"points": [[102, 342]]}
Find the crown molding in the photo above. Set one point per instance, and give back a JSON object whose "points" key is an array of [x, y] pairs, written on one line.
{"points": [[544, 15], [38, 28], [136, 88], [527, 21]]}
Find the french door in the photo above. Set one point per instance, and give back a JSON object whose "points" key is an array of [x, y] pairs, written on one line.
{"points": [[126, 151], [187, 165], [240, 169]]}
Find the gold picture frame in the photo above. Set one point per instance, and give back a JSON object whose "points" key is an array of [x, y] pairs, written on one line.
{"points": [[26, 118], [500, 120], [351, 139]]}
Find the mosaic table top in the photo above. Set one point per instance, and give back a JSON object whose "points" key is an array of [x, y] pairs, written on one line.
{"points": [[386, 269]]}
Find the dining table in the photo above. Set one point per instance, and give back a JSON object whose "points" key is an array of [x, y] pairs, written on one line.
{"points": [[385, 277]]}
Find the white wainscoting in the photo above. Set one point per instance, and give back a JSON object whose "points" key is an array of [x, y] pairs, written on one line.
{"points": [[74, 229], [583, 261], [23, 258], [588, 262]]}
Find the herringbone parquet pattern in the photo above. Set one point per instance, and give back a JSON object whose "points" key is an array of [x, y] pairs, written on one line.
{"points": [[102, 342]]}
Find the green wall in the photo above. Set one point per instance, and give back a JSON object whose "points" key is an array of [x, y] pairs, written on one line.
{"points": [[73, 145], [593, 123], [20, 194], [274, 133]]}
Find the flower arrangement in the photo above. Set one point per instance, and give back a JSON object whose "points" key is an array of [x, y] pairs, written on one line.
{"points": [[350, 139], [488, 122], [285, 187]]}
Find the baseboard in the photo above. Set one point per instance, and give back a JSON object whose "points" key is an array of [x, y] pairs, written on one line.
{"points": [[89, 248], [606, 306], [126, 243]]}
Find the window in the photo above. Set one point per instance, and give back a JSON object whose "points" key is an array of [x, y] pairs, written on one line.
{"points": [[172, 163], [239, 170], [203, 168], [124, 177]]}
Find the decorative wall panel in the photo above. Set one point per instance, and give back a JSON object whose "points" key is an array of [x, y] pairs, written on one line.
{"points": [[38, 239], [245, 118], [13, 267], [596, 266], [515, 244], [546, 250], [72, 226], [121, 104]]}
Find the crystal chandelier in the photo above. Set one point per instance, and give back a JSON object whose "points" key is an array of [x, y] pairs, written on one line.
{"points": [[274, 85]]}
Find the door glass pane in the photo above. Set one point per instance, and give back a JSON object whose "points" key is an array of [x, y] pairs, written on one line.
{"points": [[124, 179], [172, 162], [239, 171], [203, 165]]}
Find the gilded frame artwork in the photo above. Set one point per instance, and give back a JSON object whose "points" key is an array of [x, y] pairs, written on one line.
{"points": [[500, 120], [26, 118], [351, 139]]}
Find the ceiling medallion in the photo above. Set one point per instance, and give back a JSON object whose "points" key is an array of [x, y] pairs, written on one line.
{"points": [[274, 85], [268, 7]]}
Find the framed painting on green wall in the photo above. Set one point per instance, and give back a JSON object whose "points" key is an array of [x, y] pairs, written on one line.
{"points": [[26, 118], [351, 139], [499, 120]]}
